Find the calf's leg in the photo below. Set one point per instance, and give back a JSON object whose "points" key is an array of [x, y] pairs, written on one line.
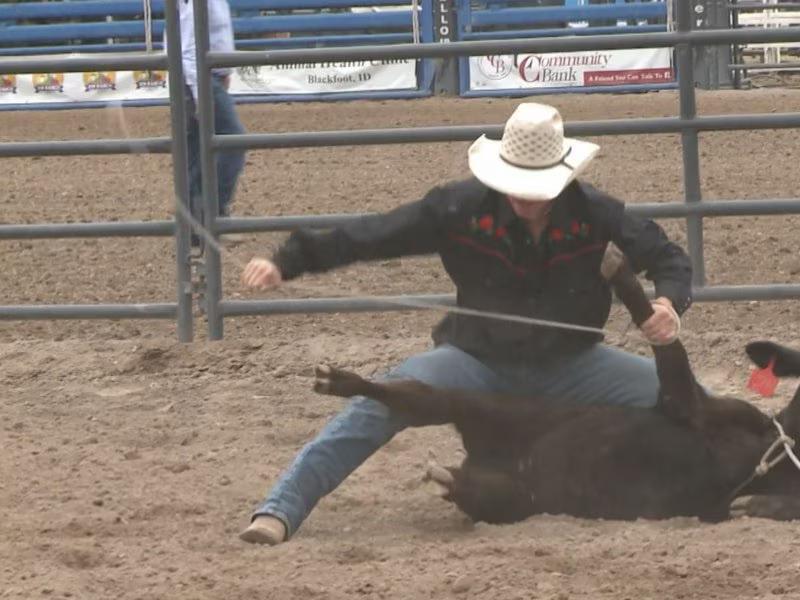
{"points": [[425, 404], [359, 430], [483, 493], [680, 396]]}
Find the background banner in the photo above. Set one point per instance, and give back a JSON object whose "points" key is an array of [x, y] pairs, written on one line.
{"points": [[571, 69], [110, 86], [323, 78]]}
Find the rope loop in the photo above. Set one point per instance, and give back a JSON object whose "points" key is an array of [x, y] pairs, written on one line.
{"points": [[765, 464], [415, 30], [148, 25]]}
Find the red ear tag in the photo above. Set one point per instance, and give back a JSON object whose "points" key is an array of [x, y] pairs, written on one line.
{"points": [[763, 381]]}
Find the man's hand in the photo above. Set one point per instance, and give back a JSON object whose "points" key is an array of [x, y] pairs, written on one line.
{"points": [[262, 274], [664, 326]]}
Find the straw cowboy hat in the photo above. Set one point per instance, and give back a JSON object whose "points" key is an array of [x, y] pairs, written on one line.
{"points": [[533, 160]]}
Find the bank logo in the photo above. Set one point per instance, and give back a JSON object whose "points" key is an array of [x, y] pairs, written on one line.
{"points": [[564, 69], [496, 67]]}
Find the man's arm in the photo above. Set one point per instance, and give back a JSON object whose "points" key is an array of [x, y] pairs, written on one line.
{"points": [[647, 247], [663, 262], [410, 229]]}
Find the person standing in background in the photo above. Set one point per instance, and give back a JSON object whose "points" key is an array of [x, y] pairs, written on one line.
{"points": [[226, 120]]}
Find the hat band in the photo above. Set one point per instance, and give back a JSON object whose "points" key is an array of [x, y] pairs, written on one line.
{"points": [[560, 161]]}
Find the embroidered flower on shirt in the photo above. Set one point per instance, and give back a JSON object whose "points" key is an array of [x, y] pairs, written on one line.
{"points": [[501, 233], [486, 223], [575, 230], [484, 226]]}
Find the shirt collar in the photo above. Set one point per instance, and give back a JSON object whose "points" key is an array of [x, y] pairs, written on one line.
{"points": [[559, 212], [505, 214]]}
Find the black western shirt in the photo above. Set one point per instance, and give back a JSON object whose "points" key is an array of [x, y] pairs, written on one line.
{"points": [[497, 266]]}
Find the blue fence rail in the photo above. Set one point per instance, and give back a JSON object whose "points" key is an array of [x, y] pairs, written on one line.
{"points": [[377, 22], [494, 20]]}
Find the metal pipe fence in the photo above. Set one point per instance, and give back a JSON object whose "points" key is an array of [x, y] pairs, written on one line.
{"points": [[716, 208], [240, 308], [687, 124], [181, 309], [692, 186], [416, 135], [771, 14]]}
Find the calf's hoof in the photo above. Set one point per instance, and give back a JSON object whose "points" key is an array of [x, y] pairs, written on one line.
{"points": [[441, 479], [322, 383]]}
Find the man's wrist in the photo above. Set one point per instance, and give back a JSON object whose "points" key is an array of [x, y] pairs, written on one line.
{"points": [[663, 300]]}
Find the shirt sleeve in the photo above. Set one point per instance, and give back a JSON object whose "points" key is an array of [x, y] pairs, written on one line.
{"points": [[411, 229], [649, 250]]}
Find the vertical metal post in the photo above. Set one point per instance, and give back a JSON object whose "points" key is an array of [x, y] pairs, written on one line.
{"points": [[426, 33], [689, 141], [205, 116], [446, 80], [712, 61], [180, 171], [738, 75]]}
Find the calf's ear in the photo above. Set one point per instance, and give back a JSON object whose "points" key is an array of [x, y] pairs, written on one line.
{"points": [[787, 361]]}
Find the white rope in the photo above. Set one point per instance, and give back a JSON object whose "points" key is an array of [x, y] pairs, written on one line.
{"points": [[788, 443], [766, 464], [148, 25], [415, 21], [670, 14], [492, 315]]}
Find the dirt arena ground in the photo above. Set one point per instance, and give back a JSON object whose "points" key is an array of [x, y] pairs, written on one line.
{"points": [[130, 462]]}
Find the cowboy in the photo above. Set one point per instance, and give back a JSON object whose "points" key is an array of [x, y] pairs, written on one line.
{"points": [[523, 236]]}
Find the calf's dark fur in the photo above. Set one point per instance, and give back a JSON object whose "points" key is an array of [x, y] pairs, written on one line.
{"points": [[690, 455]]}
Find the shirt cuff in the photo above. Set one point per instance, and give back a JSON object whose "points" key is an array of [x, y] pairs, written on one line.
{"points": [[289, 260]]}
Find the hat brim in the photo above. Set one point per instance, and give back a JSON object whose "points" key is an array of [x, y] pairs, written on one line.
{"points": [[534, 184]]}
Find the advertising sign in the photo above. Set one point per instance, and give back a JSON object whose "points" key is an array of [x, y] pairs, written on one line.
{"points": [[571, 69], [112, 86]]}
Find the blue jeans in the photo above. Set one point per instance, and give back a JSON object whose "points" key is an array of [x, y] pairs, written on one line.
{"points": [[229, 164], [601, 374]]}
